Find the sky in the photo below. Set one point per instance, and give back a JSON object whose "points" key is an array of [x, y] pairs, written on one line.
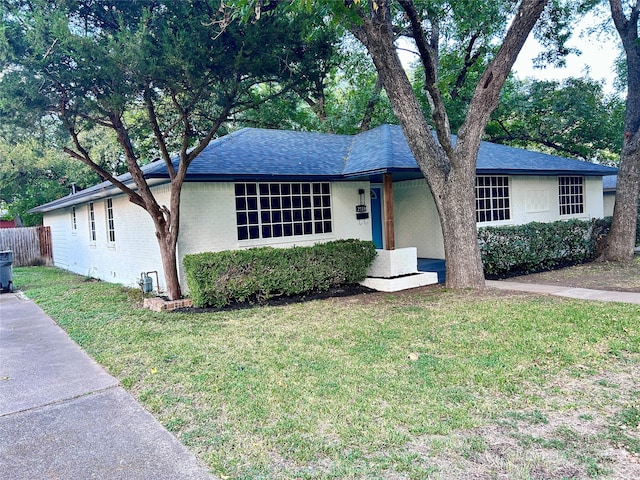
{"points": [[598, 56]]}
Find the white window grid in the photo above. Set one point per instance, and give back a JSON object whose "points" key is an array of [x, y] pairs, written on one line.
{"points": [[92, 222], [274, 210], [111, 229], [571, 195], [493, 202]]}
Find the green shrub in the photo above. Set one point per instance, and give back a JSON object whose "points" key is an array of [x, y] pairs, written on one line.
{"points": [[517, 249], [258, 274]]}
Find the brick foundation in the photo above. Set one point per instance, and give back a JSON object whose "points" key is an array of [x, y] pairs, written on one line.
{"points": [[158, 304]]}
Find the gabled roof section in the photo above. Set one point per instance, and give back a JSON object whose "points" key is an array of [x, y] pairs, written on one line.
{"points": [[383, 149]]}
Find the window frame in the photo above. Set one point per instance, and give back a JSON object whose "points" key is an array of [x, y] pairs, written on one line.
{"points": [[74, 220], [496, 206], [111, 226], [571, 195], [92, 222], [272, 211]]}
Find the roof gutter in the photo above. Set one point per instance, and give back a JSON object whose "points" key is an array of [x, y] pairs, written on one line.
{"points": [[89, 195]]}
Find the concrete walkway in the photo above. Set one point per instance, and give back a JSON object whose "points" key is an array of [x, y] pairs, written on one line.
{"points": [[63, 417], [570, 292]]}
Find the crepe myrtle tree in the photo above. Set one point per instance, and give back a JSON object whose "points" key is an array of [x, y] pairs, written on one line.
{"points": [[486, 31], [163, 75]]}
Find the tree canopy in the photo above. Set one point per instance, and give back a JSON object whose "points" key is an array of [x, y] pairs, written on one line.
{"points": [[163, 76], [572, 118]]}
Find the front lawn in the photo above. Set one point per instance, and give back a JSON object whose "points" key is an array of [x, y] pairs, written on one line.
{"points": [[421, 384]]}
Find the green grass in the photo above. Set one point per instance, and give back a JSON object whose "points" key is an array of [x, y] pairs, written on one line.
{"points": [[349, 387]]}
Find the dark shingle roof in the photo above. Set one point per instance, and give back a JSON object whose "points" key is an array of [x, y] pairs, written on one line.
{"points": [[609, 183], [262, 155], [495, 158], [255, 152]]}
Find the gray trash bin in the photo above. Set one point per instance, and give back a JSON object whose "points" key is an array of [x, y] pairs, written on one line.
{"points": [[6, 271]]}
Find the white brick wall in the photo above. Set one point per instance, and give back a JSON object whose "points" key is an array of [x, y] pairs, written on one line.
{"points": [[533, 198], [60, 224], [609, 204], [416, 219], [135, 248], [394, 263], [208, 223]]}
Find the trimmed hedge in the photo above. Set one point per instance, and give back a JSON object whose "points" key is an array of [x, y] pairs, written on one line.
{"points": [[258, 274], [534, 247]]}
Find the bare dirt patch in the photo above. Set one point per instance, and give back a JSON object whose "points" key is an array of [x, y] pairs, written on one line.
{"points": [[594, 275]]}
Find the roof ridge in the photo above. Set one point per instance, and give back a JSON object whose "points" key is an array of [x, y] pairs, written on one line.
{"points": [[347, 155], [388, 142], [230, 136]]}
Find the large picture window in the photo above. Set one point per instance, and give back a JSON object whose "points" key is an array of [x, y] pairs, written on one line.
{"points": [[271, 210], [571, 195], [492, 198]]}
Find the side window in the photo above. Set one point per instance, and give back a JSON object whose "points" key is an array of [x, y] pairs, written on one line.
{"points": [[111, 230], [571, 195], [74, 220], [492, 199], [92, 223]]}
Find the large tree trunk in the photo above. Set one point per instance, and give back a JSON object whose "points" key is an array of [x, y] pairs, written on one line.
{"points": [[622, 236], [166, 221], [450, 171], [455, 206], [621, 240], [457, 218]]}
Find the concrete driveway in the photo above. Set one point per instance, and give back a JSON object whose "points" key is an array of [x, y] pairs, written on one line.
{"points": [[62, 416]]}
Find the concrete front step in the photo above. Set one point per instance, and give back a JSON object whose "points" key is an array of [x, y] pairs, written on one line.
{"points": [[401, 283]]}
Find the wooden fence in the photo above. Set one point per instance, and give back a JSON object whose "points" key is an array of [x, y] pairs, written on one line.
{"points": [[30, 245]]}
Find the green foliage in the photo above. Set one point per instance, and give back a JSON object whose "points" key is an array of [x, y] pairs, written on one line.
{"points": [[93, 63], [258, 274], [33, 173], [345, 99], [572, 118], [163, 76], [539, 246]]}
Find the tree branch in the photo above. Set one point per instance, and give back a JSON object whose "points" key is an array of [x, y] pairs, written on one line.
{"points": [[133, 196], [153, 118], [369, 110], [83, 155], [487, 93], [429, 57], [469, 61]]}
